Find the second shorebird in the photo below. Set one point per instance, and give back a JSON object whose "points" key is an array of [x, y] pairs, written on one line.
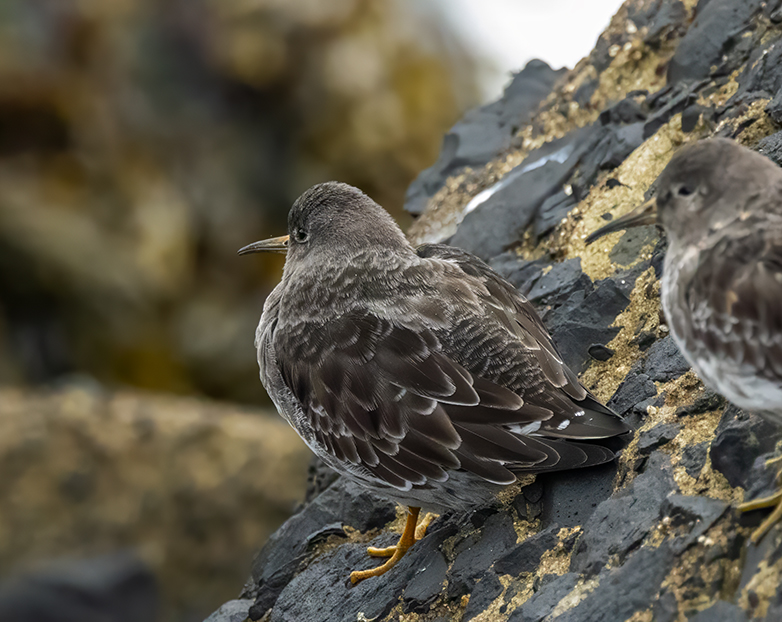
{"points": [[418, 373], [721, 207]]}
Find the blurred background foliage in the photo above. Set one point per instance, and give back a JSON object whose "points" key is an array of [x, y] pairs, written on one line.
{"points": [[142, 142]]}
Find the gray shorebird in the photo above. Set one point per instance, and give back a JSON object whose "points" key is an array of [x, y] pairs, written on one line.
{"points": [[419, 373], [720, 205]]}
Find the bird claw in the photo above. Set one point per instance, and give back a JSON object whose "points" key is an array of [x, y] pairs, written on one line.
{"points": [[420, 530], [772, 501], [394, 553], [387, 551]]}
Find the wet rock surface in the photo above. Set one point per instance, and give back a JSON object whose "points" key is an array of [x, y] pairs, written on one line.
{"points": [[654, 536]]}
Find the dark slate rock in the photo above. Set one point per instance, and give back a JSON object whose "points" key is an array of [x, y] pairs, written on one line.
{"points": [[664, 362], [533, 492], [232, 611], [485, 132], [607, 147], [623, 521], [319, 477], [600, 352], [525, 557], [684, 98], [477, 553], [704, 403], [628, 248], [552, 211], [626, 589], [691, 116], [774, 613], [669, 19], [500, 221], [627, 111], [646, 13], [739, 438], [644, 339], [600, 57], [752, 557], [658, 256], [116, 587], [521, 273], [528, 502], [524, 93], [666, 607], [658, 436], [718, 25], [659, 99], [763, 76], [325, 532], [618, 144], [585, 319], [774, 108], [569, 501], [560, 283], [771, 147], [572, 338], [694, 457], [344, 502], [483, 594], [427, 584], [322, 591], [721, 611], [634, 389], [584, 93], [544, 600], [641, 409], [697, 513]]}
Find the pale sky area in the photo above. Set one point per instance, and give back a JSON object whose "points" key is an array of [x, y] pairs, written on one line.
{"points": [[510, 32]]}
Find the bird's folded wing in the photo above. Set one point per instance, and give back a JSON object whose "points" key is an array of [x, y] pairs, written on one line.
{"points": [[391, 400], [735, 304], [507, 307], [514, 311]]}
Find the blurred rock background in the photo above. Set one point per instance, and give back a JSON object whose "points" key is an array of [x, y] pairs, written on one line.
{"points": [[141, 144]]}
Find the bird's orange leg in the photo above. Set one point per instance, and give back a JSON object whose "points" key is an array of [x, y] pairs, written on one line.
{"points": [[772, 501], [394, 553]]}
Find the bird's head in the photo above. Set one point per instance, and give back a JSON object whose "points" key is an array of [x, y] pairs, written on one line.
{"points": [[704, 187], [333, 221]]}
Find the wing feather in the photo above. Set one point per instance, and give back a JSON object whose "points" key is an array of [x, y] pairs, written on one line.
{"points": [[411, 398]]}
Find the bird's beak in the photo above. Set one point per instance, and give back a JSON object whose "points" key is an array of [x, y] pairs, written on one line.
{"points": [[645, 214], [272, 245]]}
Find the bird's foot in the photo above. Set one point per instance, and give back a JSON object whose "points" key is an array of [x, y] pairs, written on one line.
{"points": [[409, 537], [420, 532], [776, 460], [772, 519]]}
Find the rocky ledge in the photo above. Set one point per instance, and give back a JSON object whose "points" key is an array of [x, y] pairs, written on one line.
{"points": [[521, 183]]}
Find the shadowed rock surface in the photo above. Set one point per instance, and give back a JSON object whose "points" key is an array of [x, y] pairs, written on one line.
{"points": [[655, 536]]}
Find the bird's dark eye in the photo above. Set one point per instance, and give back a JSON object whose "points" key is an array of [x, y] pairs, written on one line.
{"points": [[300, 235], [684, 191]]}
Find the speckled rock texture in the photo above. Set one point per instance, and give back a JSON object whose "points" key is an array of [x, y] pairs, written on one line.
{"points": [[656, 536]]}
